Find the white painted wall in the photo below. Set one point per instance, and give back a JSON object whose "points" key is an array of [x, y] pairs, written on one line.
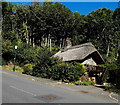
{"points": [[89, 62]]}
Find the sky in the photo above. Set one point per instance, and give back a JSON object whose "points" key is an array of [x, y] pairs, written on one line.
{"points": [[85, 7]]}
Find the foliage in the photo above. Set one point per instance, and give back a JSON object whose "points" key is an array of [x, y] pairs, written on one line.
{"points": [[118, 60], [79, 67], [43, 63], [83, 78], [112, 88], [26, 55], [112, 74], [37, 24], [33, 28], [86, 83], [67, 71], [110, 66], [4, 62], [7, 67], [27, 69], [19, 70], [56, 69], [7, 50]]}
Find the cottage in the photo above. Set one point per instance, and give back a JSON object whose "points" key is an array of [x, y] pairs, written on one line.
{"points": [[84, 53]]}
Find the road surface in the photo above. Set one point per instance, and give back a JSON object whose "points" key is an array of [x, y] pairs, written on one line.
{"points": [[18, 88]]}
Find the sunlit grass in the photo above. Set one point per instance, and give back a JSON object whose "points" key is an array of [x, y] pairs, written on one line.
{"points": [[18, 69]]}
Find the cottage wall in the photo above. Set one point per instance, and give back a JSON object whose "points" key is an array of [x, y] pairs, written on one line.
{"points": [[89, 62]]}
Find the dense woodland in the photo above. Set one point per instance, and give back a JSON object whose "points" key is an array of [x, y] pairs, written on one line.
{"points": [[40, 30]]}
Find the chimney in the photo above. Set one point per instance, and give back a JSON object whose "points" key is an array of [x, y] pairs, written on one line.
{"points": [[68, 42]]}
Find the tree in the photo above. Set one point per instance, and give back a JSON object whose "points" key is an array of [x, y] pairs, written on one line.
{"points": [[78, 35]]}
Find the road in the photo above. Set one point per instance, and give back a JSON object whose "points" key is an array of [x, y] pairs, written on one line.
{"points": [[18, 88]]}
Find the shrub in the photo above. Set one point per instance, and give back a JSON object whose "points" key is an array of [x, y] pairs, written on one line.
{"points": [[80, 67], [19, 70], [26, 55], [4, 62], [112, 72], [27, 68], [67, 71], [58, 71], [7, 51], [53, 68], [83, 78], [44, 63]]}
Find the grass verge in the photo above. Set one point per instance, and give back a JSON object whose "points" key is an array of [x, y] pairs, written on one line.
{"points": [[85, 83], [17, 69]]}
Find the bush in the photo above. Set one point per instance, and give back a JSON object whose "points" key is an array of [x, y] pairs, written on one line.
{"points": [[44, 63], [67, 71], [7, 51], [27, 55], [27, 69], [19, 70], [112, 72], [83, 78], [4, 62], [53, 68]]}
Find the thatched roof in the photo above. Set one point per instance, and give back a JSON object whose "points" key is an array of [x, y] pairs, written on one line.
{"points": [[80, 52]]}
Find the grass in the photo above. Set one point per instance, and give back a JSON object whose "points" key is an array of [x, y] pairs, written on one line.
{"points": [[18, 69], [85, 83]]}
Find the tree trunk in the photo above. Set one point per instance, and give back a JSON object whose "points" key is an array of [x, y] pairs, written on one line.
{"points": [[108, 51], [50, 44], [33, 42], [46, 41], [27, 33]]}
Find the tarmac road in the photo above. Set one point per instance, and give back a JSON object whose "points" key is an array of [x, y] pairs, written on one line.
{"points": [[20, 88]]}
